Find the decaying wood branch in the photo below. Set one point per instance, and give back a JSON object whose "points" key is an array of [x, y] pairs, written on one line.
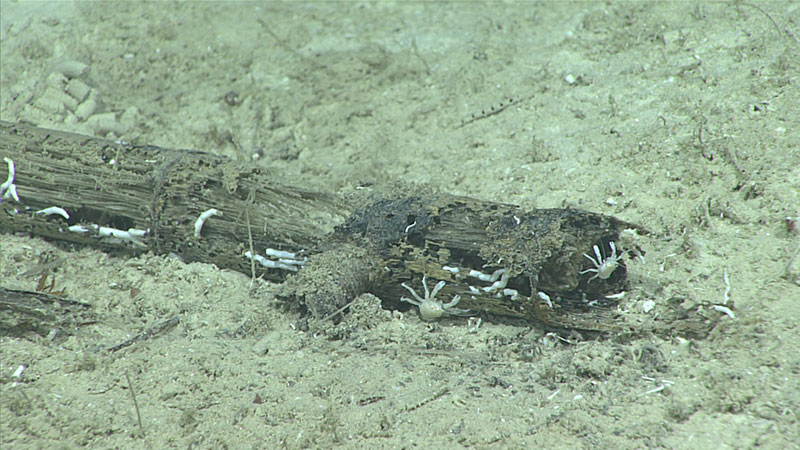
{"points": [[502, 261], [23, 312], [563, 268], [159, 192]]}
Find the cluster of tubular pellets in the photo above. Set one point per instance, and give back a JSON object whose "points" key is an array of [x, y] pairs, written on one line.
{"points": [[278, 259], [131, 236], [66, 97], [498, 279]]}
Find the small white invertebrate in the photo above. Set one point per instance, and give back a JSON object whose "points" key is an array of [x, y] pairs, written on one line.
{"points": [[12, 192], [494, 276], [654, 390], [198, 224], [10, 179], [126, 236], [725, 310], [113, 232], [473, 323], [499, 284], [546, 298], [429, 307], [280, 253], [135, 232], [8, 188], [18, 373], [287, 258], [603, 267], [78, 229], [53, 210]]}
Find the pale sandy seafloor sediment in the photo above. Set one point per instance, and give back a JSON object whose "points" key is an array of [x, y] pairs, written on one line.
{"points": [[682, 117]]}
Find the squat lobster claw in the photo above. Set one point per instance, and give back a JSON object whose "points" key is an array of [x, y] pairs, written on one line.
{"points": [[603, 267]]}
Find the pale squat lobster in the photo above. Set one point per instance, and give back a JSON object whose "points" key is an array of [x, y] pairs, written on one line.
{"points": [[603, 267], [429, 307]]}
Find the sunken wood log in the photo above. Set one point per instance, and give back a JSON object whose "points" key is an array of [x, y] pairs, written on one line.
{"points": [[503, 262]]}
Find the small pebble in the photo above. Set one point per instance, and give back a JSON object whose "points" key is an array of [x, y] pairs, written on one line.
{"points": [[261, 348]]}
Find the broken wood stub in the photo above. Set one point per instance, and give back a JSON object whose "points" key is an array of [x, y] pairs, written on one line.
{"points": [[536, 257]]}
